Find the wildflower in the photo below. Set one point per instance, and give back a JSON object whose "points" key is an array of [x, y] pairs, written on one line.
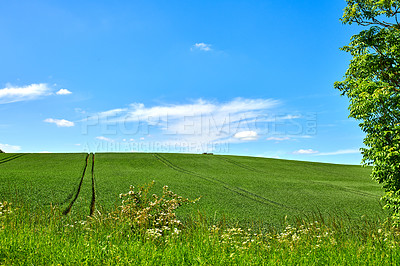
{"points": [[176, 231], [5, 208], [156, 215]]}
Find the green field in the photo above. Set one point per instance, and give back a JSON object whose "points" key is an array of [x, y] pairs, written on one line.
{"points": [[242, 188], [333, 214]]}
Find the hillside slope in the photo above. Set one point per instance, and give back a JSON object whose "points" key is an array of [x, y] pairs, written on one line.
{"points": [[244, 188]]}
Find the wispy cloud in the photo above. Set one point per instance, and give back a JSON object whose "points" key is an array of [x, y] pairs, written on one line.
{"points": [[110, 113], [104, 139], [63, 92], [60, 122], [278, 138], [200, 121], [12, 94], [201, 46], [305, 151], [206, 108], [317, 153], [301, 136], [340, 152], [9, 148]]}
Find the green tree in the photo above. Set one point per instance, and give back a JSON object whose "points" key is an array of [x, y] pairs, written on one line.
{"points": [[1, 151], [372, 84]]}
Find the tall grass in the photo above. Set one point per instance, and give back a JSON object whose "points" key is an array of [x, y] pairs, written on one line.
{"points": [[47, 236]]}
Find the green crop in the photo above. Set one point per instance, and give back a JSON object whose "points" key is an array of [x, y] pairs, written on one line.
{"points": [[242, 188]]}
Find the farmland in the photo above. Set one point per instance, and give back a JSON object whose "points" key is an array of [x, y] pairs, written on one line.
{"points": [[252, 211], [40, 180], [242, 188]]}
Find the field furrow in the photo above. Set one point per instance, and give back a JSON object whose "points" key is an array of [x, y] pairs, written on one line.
{"points": [[347, 189], [41, 180], [68, 209], [343, 188], [93, 201], [6, 157], [239, 164], [244, 188], [10, 158], [225, 185]]}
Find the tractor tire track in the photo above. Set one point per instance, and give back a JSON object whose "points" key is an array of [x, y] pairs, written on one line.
{"points": [[346, 189], [247, 167], [73, 190], [10, 158], [68, 209], [240, 191], [93, 202]]}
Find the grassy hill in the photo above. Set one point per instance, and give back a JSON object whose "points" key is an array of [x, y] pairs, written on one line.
{"points": [[243, 188]]}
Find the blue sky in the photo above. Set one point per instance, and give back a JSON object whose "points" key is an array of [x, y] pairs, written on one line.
{"points": [[230, 77]]}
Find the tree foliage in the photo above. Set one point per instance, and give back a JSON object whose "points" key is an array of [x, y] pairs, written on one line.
{"points": [[372, 84]]}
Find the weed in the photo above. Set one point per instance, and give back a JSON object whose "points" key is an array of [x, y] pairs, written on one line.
{"points": [[154, 214], [144, 229]]}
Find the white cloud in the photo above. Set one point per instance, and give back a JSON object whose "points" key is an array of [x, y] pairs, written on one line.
{"points": [[202, 107], [80, 111], [60, 122], [302, 136], [317, 153], [289, 137], [104, 138], [289, 117], [202, 121], [9, 148], [339, 152], [198, 122], [308, 151], [246, 135], [112, 112], [44, 152], [201, 46], [278, 138], [63, 92], [106, 115], [12, 94]]}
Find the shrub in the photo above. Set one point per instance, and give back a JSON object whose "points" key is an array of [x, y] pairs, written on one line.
{"points": [[5, 208], [153, 214]]}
